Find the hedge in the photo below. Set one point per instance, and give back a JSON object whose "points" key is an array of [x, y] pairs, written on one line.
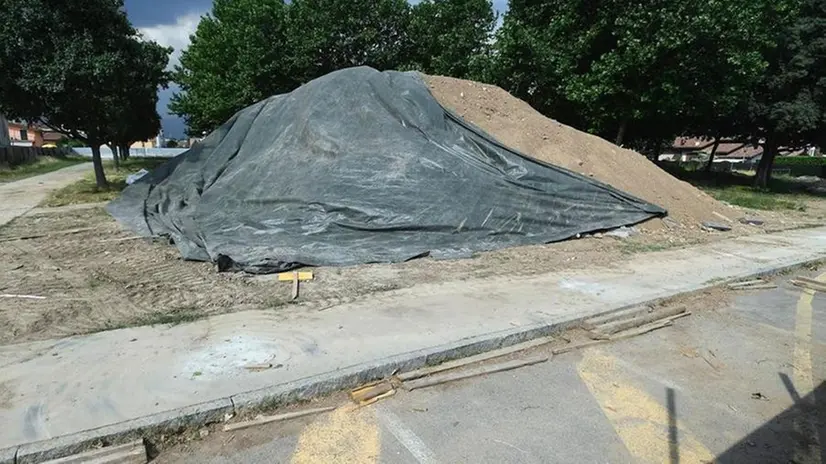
{"points": [[788, 161]]}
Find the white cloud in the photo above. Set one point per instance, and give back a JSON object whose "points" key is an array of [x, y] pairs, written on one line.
{"points": [[173, 35]]}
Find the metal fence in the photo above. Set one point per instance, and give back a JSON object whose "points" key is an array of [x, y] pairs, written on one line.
{"points": [[106, 153], [15, 156]]}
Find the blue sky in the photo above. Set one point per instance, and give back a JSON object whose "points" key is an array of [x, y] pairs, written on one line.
{"points": [[170, 23]]}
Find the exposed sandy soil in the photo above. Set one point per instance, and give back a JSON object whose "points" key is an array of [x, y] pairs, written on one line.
{"points": [[517, 125], [105, 278]]}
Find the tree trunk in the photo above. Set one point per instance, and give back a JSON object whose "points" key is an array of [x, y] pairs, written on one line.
{"points": [[621, 132], [124, 152], [115, 157], [713, 152], [764, 169], [100, 176]]}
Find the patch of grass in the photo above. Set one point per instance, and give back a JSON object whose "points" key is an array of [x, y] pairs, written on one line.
{"points": [[752, 198], [43, 165], [628, 248], [86, 191], [176, 317], [173, 318], [736, 188]]}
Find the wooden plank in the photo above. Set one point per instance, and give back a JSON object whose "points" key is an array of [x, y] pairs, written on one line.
{"points": [[641, 330], [53, 234], [129, 453], [810, 280], [296, 280], [278, 418], [482, 370], [367, 393], [25, 297], [747, 282], [288, 276], [667, 322], [474, 359], [577, 346], [810, 285], [657, 314], [754, 287]]}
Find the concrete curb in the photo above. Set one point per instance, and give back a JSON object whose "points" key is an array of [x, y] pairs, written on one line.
{"points": [[199, 415]]}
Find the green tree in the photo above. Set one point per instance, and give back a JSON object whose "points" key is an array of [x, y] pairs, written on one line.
{"points": [[788, 107], [239, 54], [63, 64], [247, 50], [630, 71], [172, 144], [451, 37], [135, 116], [328, 35]]}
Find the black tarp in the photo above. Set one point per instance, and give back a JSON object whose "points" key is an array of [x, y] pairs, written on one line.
{"points": [[361, 166]]}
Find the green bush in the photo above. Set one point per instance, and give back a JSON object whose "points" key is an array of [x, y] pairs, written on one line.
{"points": [[787, 161]]}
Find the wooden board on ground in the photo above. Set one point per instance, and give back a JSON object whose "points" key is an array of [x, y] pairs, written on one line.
{"points": [[277, 418], [130, 453], [474, 359], [482, 370]]}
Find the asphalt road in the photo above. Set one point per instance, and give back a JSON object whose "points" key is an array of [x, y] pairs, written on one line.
{"points": [[737, 382]]}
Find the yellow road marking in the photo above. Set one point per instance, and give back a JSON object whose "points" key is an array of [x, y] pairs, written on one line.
{"points": [[802, 344], [347, 435], [802, 375], [641, 422]]}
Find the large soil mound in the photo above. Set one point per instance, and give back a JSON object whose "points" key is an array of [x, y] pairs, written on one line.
{"points": [[361, 166], [517, 125]]}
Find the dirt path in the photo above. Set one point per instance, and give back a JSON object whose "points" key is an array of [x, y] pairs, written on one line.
{"points": [[21, 196]]}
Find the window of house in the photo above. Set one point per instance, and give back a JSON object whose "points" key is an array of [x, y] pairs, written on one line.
{"points": [[24, 134]]}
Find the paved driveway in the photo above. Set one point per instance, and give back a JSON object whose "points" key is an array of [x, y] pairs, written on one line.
{"points": [[743, 383], [19, 197]]}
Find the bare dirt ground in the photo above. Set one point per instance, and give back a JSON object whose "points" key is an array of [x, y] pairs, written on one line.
{"points": [[103, 278]]}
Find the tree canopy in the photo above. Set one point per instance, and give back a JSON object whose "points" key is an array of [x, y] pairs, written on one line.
{"points": [[451, 37], [238, 55], [626, 70], [247, 50], [78, 66], [788, 106]]}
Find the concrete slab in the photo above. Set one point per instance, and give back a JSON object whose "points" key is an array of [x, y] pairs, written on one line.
{"points": [[20, 196], [61, 387], [8, 455], [125, 431]]}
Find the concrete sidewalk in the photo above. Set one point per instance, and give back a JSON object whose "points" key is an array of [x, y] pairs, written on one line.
{"points": [[59, 387], [20, 196]]}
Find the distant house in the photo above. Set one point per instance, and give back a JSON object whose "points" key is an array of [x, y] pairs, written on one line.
{"points": [[733, 152], [52, 138], [685, 149], [154, 142], [25, 134]]}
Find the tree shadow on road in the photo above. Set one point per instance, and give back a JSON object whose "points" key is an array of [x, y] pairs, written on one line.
{"points": [[797, 435]]}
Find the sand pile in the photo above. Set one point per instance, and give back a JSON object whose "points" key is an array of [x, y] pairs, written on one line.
{"points": [[519, 126]]}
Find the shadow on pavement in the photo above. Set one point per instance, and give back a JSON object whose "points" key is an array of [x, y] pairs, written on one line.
{"points": [[794, 436], [673, 437]]}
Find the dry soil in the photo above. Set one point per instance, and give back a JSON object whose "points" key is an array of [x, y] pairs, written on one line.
{"points": [[517, 125]]}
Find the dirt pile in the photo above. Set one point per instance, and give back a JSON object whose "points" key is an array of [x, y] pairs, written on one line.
{"points": [[518, 125]]}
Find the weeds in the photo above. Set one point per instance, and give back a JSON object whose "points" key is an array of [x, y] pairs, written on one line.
{"points": [[87, 191], [758, 199], [43, 165]]}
